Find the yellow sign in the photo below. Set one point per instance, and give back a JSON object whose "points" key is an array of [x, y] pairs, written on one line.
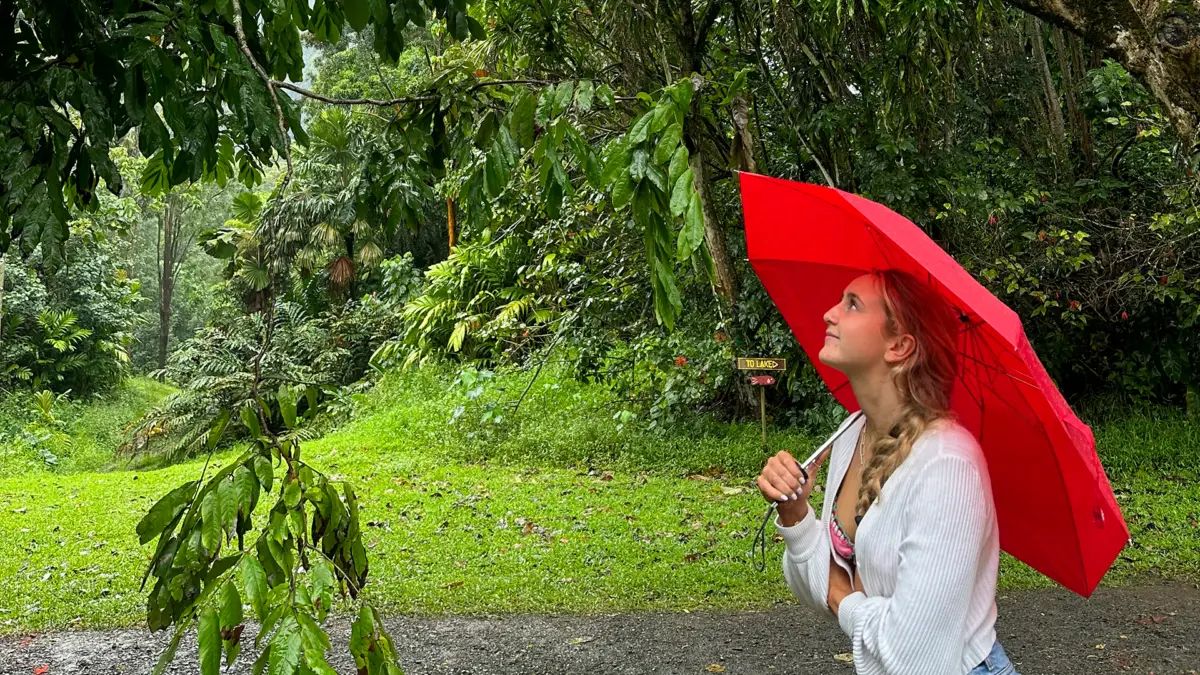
{"points": [[761, 364]]}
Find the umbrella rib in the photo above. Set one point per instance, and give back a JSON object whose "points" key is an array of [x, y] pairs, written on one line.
{"points": [[979, 344]]}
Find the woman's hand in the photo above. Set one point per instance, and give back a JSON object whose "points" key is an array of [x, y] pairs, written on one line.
{"points": [[782, 481], [840, 586]]}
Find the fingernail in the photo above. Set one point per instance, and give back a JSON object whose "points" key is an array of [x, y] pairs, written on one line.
{"points": [[795, 496], [783, 498]]}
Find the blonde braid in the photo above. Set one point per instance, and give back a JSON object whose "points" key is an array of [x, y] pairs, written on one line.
{"points": [[924, 379]]}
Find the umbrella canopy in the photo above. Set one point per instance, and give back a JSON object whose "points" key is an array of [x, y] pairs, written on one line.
{"points": [[1055, 507]]}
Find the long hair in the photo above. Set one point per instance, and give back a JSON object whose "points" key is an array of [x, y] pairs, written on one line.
{"points": [[925, 379]]}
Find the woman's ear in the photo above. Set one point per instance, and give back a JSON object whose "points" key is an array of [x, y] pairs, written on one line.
{"points": [[900, 348]]}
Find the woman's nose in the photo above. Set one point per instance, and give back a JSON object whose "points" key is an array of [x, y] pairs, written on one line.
{"points": [[829, 317]]}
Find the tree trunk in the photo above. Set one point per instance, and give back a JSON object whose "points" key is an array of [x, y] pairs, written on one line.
{"points": [[1058, 132], [1085, 128], [692, 40], [1070, 86], [166, 279], [1158, 41]]}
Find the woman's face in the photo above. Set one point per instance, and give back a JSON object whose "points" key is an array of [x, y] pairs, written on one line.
{"points": [[855, 340]]}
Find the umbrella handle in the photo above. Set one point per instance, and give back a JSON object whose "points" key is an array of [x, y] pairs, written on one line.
{"points": [[760, 539]]}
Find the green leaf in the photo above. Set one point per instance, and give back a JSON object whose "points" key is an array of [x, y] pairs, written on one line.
{"points": [[622, 191], [218, 428], [660, 117], [287, 406], [231, 617], [227, 501], [156, 177], [692, 233], [593, 171], [210, 513], [264, 471], [243, 485], [618, 162], [583, 95], [285, 648], [250, 419], [637, 133], [637, 164], [656, 177], [679, 162], [667, 143], [358, 13], [208, 635], [291, 494], [520, 121], [681, 193], [153, 136], [545, 107], [682, 93], [164, 511], [254, 580], [231, 605], [562, 96], [605, 94], [475, 28]]}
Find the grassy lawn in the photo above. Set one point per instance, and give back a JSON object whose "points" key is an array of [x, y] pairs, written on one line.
{"points": [[554, 510], [91, 430]]}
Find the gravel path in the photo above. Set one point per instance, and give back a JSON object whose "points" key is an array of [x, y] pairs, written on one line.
{"points": [[1144, 629]]}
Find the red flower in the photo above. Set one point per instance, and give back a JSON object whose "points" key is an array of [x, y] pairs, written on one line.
{"points": [[991, 220], [1045, 197], [1163, 280], [720, 337], [1124, 315], [681, 361], [1074, 304], [1041, 236], [526, 334]]}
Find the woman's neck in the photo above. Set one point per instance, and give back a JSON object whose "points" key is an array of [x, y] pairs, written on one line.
{"points": [[879, 399]]}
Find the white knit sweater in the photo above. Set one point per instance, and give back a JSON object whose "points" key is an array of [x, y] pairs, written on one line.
{"points": [[928, 552]]}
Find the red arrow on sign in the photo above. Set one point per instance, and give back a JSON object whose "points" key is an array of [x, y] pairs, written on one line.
{"points": [[762, 380]]}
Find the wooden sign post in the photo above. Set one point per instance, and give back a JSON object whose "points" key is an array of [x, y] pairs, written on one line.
{"points": [[744, 363]]}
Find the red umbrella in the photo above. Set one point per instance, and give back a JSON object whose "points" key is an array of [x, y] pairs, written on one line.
{"points": [[1056, 509]]}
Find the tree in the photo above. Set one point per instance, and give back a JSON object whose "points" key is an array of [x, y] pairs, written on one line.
{"points": [[1159, 41]]}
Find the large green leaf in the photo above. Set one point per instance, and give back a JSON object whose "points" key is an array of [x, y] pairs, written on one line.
{"points": [[692, 233], [622, 191], [156, 176], [208, 635], [562, 96], [231, 617], [254, 580], [165, 511], [667, 143], [264, 471], [616, 164], [681, 193], [358, 13], [583, 95], [210, 513], [640, 128], [678, 165], [637, 164], [285, 648], [520, 121]]}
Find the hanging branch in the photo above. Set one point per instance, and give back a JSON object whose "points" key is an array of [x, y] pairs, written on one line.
{"points": [[271, 84]]}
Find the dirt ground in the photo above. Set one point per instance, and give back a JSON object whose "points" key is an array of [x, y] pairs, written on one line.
{"points": [[1145, 629]]}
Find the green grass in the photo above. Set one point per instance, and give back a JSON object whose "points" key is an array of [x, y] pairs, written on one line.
{"points": [[522, 517]]}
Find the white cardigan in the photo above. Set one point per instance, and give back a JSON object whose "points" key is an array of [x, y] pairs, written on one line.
{"points": [[927, 551]]}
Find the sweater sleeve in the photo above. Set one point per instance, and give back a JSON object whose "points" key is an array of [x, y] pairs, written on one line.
{"points": [[806, 560], [919, 628]]}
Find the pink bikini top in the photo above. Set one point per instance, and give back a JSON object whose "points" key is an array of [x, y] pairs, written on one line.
{"points": [[842, 545]]}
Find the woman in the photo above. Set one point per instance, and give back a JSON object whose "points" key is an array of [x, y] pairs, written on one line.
{"points": [[906, 548]]}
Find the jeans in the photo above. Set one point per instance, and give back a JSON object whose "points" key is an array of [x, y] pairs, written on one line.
{"points": [[996, 663]]}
